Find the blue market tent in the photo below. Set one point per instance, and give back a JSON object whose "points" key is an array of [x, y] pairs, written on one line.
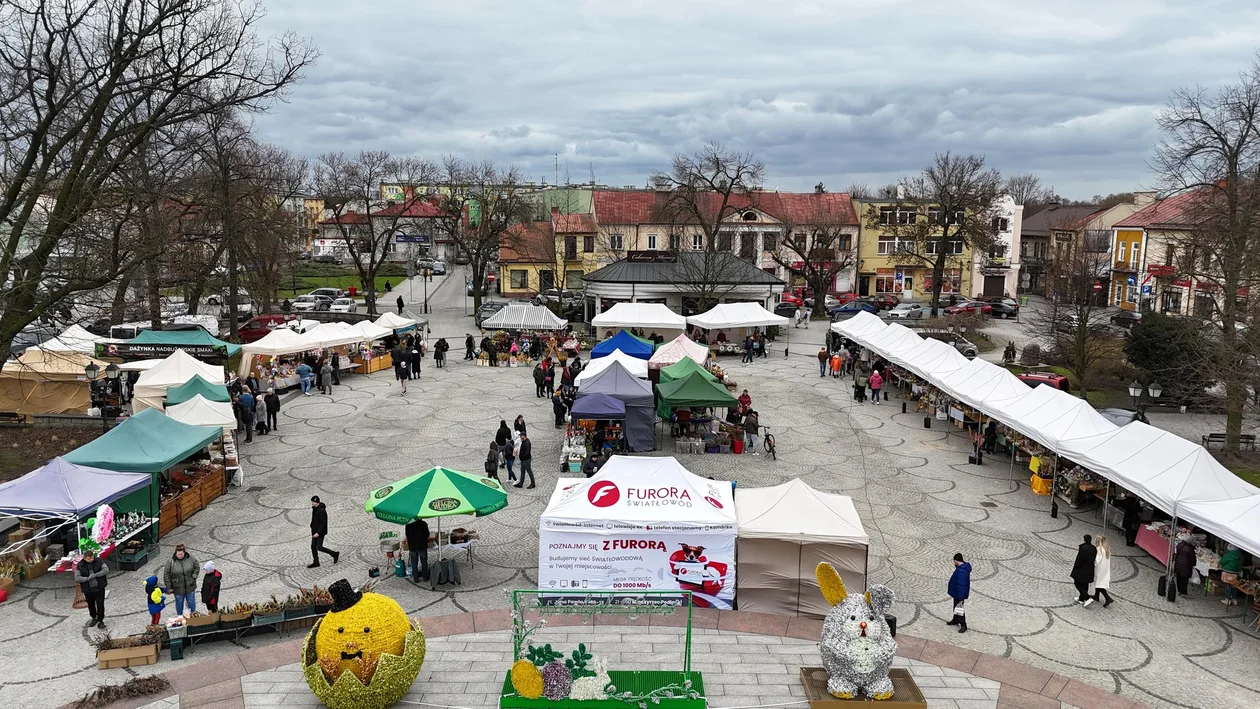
{"points": [[599, 407], [624, 341], [617, 381], [62, 489]]}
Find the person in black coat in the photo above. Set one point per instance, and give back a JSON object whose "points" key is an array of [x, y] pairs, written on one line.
{"points": [[273, 408], [417, 534], [417, 354], [1183, 565], [502, 439], [526, 456], [539, 381], [336, 367], [558, 408], [400, 305], [211, 584], [468, 347], [1132, 518], [319, 532], [91, 573], [1083, 570], [519, 424]]}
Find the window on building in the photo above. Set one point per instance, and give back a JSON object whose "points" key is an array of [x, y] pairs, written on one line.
{"points": [[697, 242], [675, 242], [1170, 300], [997, 251], [750, 216], [770, 270], [1134, 256], [651, 242], [519, 279], [953, 247], [846, 243], [1121, 250], [616, 242], [906, 216], [886, 284], [725, 242], [1170, 255], [570, 247], [1001, 224], [887, 216], [887, 245], [588, 244], [573, 280], [770, 242], [747, 244]]}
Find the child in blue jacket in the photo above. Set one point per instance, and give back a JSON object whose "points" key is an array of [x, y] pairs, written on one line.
{"points": [[156, 598]]}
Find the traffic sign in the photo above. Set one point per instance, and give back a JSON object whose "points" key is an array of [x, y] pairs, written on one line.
{"points": [[1097, 286]]}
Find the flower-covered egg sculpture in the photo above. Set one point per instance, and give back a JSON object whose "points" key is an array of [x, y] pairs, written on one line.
{"points": [[365, 653]]}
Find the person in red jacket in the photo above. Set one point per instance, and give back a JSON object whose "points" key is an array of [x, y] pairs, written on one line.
{"points": [[210, 585]]}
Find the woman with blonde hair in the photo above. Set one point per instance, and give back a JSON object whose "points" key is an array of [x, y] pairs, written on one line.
{"points": [[1102, 569]]}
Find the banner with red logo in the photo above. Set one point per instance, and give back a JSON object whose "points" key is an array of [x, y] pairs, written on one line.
{"points": [[641, 524]]}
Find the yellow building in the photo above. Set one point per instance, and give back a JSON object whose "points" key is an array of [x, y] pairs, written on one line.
{"points": [[539, 256], [885, 263]]}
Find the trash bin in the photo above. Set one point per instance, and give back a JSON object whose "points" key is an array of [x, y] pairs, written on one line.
{"points": [[1023, 300], [354, 291], [737, 446]]}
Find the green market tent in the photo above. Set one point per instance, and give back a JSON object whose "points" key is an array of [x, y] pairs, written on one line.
{"points": [[149, 442], [196, 387], [682, 368], [437, 492], [192, 340], [692, 390]]}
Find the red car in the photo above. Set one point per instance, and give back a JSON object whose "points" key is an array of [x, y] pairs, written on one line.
{"points": [[970, 306], [261, 326], [792, 299], [1035, 379], [886, 301], [845, 297]]}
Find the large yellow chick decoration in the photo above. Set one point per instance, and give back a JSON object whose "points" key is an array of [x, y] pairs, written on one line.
{"points": [[364, 653]]}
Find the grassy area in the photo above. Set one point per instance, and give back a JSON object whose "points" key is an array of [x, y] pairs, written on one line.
{"points": [[309, 276], [1251, 475], [1099, 398]]}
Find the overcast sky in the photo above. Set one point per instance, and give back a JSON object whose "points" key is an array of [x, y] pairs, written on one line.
{"points": [[839, 92]]}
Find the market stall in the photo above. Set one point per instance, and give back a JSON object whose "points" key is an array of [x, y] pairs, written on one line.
{"points": [[281, 350], [151, 442], [197, 386], [60, 495], [178, 368], [696, 390], [785, 531], [647, 317], [523, 317], [75, 339], [199, 411], [683, 368], [149, 344], [397, 323], [370, 331], [620, 383], [634, 365], [733, 322], [641, 524], [627, 343], [677, 349], [46, 382]]}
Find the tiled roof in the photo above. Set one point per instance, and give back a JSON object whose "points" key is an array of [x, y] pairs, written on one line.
{"points": [[531, 242], [351, 217], [1169, 212], [574, 224], [413, 210], [645, 206], [723, 269], [1056, 216], [624, 206]]}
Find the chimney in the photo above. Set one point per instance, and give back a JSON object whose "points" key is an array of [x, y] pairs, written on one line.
{"points": [[555, 213], [901, 191], [1141, 199], [820, 188]]}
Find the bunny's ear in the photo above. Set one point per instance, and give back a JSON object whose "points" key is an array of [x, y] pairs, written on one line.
{"points": [[830, 584], [880, 598]]}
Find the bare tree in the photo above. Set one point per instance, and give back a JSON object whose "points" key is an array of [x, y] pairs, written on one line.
{"points": [[1075, 325], [861, 190], [820, 247], [704, 191], [82, 86], [273, 233], [479, 204], [1211, 148], [941, 214], [1026, 188], [367, 222]]}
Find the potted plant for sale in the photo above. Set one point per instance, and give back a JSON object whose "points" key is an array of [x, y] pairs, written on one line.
{"points": [[239, 615], [130, 651], [199, 622], [268, 612]]}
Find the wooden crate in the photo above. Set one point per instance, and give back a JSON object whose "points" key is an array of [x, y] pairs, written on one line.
{"points": [[189, 502], [212, 487], [127, 657], [168, 521], [906, 694]]}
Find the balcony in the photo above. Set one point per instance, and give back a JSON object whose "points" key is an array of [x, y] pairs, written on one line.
{"points": [[1124, 267]]}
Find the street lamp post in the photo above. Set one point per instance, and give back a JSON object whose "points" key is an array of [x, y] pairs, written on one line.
{"points": [[93, 372], [427, 273], [1141, 402]]}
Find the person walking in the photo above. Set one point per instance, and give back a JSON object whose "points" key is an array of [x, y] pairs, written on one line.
{"points": [[417, 534], [1183, 564], [400, 304], [1083, 570], [399, 356], [273, 408], [305, 375], [319, 532], [417, 354], [822, 361], [1102, 569], [491, 465], [91, 574], [526, 455], [960, 590], [876, 382], [468, 346], [260, 415], [509, 458], [180, 578], [336, 367], [503, 439], [439, 353], [752, 426], [211, 584], [245, 403], [748, 350], [1132, 518], [519, 424], [558, 408], [538, 381], [326, 378]]}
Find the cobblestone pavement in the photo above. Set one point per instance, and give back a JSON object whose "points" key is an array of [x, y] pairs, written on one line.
{"points": [[916, 494]]}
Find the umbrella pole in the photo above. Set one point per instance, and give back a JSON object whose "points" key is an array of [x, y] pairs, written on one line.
{"points": [[439, 538]]}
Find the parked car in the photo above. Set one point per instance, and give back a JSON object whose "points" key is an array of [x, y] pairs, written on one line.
{"points": [[851, 308], [485, 289], [789, 298], [327, 258], [965, 347], [1003, 307], [308, 303], [830, 300], [423, 263], [556, 295], [304, 256], [1035, 379], [258, 328], [333, 293], [344, 305], [907, 311], [970, 306], [886, 301], [439, 268], [786, 310], [1126, 319], [1122, 417], [487, 309]]}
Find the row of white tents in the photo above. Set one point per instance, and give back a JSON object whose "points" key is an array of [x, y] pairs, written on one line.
{"points": [[1178, 476], [657, 316], [288, 340]]}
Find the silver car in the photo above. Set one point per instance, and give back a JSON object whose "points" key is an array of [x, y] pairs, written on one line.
{"points": [[907, 311]]}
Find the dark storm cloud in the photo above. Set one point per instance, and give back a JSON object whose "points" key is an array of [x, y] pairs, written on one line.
{"points": [[832, 91]]}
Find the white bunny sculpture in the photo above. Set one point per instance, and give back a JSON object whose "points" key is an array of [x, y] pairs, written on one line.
{"points": [[857, 645]]}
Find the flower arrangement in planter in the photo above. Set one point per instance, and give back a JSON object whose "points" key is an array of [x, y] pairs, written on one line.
{"points": [[323, 600], [199, 622], [365, 653], [268, 612], [238, 615], [301, 605]]}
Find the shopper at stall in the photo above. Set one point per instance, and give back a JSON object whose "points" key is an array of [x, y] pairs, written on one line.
{"points": [[91, 574], [273, 408], [1183, 564], [960, 590], [503, 439], [1083, 570], [1132, 519], [319, 532], [155, 599], [1102, 570], [1231, 563], [990, 437], [468, 346], [245, 404], [526, 455], [748, 350], [326, 378], [823, 359], [305, 375], [590, 465], [336, 367], [558, 408], [877, 382], [260, 415], [566, 379], [417, 535], [417, 354], [211, 583], [539, 380], [180, 578], [752, 426]]}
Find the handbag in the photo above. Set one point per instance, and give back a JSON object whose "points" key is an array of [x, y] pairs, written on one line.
{"points": [[1228, 577]]}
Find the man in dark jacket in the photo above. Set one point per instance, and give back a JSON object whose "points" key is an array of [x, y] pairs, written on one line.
{"points": [[503, 439], [526, 456], [319, 531], [1132, 518], [245, 402], [960, 591], [468, 347], [272, 400], [1183, 565], [558, 408], [538, 381], [417, 533], [1083, 570], [400, 305], [336, 367], [90, 573]]}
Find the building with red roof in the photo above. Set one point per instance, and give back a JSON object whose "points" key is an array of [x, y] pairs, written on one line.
{"points": [[1153, 248]]}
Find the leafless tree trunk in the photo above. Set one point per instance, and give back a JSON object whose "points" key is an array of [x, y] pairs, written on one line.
{"points": [[820, 248], [1076, 324], [1026, 188]]}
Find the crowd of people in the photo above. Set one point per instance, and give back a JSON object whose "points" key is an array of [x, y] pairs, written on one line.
{"points": [[509, 446]]}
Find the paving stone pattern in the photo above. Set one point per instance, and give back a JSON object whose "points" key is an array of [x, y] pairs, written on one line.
{"points": [[918, 497]]}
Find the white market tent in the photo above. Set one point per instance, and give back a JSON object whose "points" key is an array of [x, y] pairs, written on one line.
{"points": [[640, 521], [524, 316], [397, 323], [646, 316], [733, 315], [858, 327], [634, 365], [674, 351], [179, 367], [199, 411], [280, 341], [980, 384], [334, 334], [784, 532], [140, 365], [74, 339], [934, 360], [371, 332], [1050, 416]]}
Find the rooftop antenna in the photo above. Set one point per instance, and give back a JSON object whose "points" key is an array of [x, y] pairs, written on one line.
{"points": [[557, 157], [591, 166]]}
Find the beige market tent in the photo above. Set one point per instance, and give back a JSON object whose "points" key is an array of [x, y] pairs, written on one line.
{"points": [[46, 382], [784, 532], [179, 367]]}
